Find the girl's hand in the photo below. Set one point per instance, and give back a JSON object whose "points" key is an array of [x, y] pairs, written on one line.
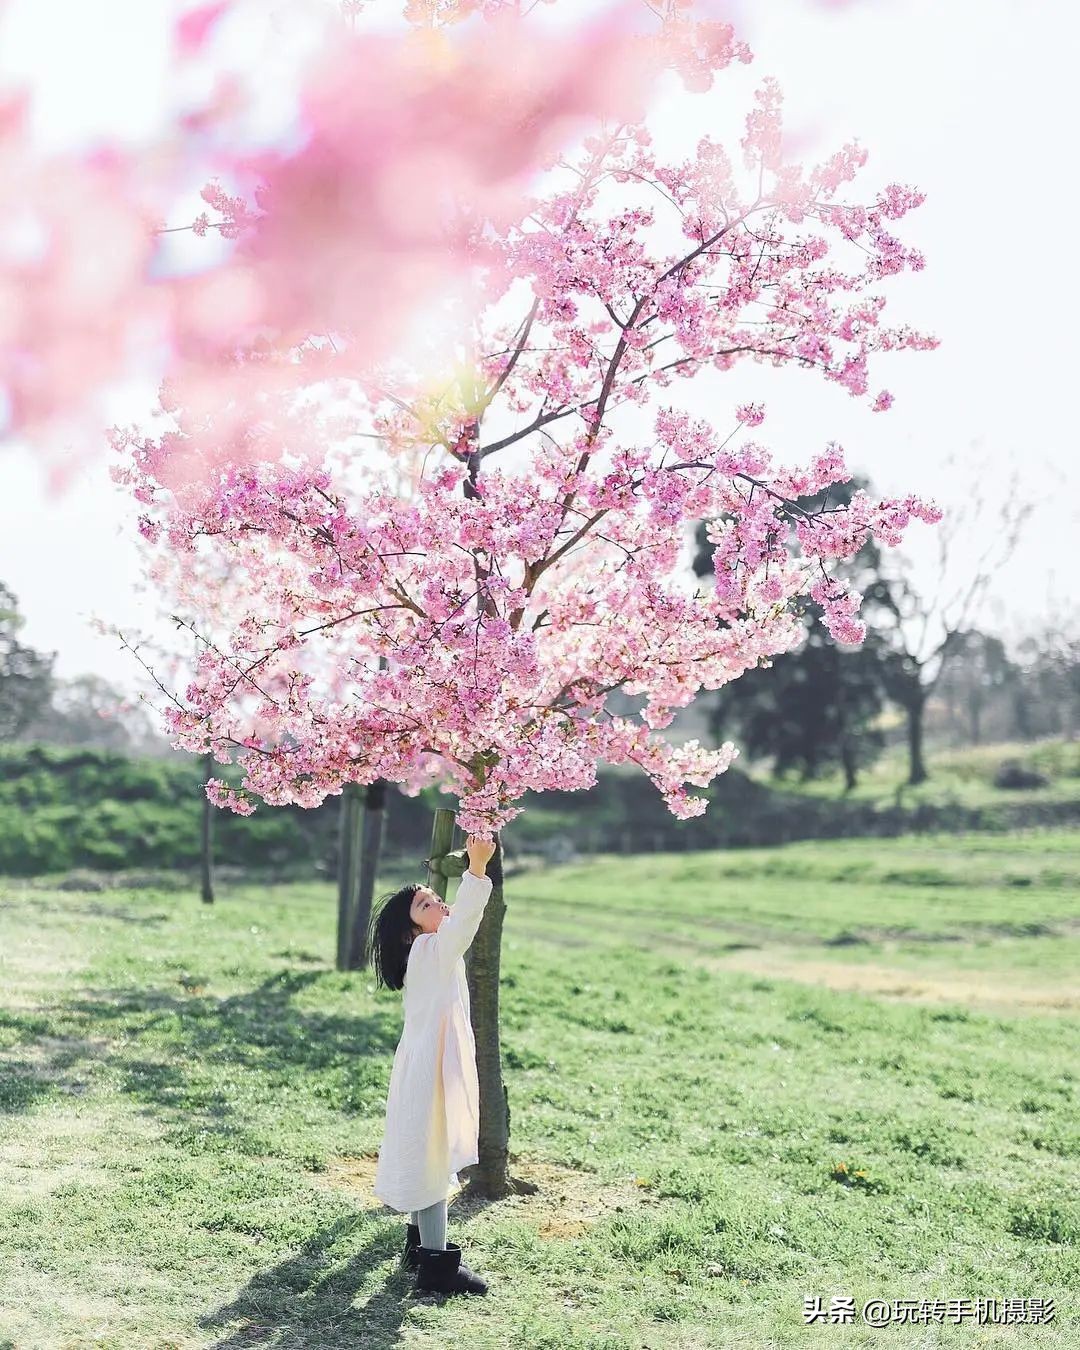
{"points": [[480, 852]]}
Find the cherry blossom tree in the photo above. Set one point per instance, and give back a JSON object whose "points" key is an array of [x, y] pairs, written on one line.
{"points": [[434, 287], [421, 475]]}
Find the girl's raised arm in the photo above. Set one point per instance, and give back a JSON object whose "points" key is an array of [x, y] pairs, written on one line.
{"points": [[456, 932], [454, 935]]}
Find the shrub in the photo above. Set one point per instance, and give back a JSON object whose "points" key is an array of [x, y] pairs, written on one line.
{"points": [[1013, 774]]}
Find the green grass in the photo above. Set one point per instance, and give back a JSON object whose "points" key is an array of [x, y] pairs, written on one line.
{"points": [[960, 777], [740, 1078]]}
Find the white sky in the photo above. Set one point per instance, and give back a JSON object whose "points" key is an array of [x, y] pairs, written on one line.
{"points": [[970, 101]]}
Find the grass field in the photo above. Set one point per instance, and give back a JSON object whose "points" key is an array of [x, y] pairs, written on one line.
{"points": [[963, 777], [739, 1079]]}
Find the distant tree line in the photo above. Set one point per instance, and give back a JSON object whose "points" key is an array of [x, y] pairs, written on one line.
{"points": [[986, 694], [38, 705]]}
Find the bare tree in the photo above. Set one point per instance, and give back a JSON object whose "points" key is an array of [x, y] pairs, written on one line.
{"points": [[925, 630], [979, 682]]}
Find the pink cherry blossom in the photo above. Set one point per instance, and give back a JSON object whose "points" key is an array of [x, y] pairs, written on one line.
{"points": [[195, 27], [420, 484], [361, 221]]}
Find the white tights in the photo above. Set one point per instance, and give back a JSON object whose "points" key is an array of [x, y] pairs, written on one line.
{"points": [[432, 1224]]}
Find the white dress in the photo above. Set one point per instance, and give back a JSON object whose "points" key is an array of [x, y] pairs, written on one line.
{"points": [[433, 1103]]}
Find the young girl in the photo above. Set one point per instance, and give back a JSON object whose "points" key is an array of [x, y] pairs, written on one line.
{"points": [[433, 1105]]}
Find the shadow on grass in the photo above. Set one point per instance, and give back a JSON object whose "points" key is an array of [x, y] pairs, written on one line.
{"points": [[48, 1066], [165, 1033], [161, 1048], [95, 909], [308, 1299]]}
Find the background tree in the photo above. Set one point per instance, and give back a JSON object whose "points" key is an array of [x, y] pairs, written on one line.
{"points": [[922, 627], [981, 675], [206, 837], [90, 710], [1047, 692], [26, 675]]}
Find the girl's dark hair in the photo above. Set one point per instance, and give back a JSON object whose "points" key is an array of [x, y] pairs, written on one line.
{"points": [[390, 936]]}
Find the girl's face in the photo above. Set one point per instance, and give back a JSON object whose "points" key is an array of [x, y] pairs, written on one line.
{"points": [[427, 911]]}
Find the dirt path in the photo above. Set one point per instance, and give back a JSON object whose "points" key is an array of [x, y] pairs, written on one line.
{"points": [[986, 990]]}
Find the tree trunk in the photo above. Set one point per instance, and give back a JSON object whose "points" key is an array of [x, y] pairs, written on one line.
{"points": [[916, 763], [1072, 716], [849, 760], [206, 841], [490, 1177], [348, 868], [951, 717], [1021, 714], [370, 849]]}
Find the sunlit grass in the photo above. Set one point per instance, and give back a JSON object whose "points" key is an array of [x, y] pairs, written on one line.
{"points": [[183, 1087], [961, 777]]}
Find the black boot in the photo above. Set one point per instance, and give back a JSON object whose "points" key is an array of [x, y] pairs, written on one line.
{"points": [[412, 1243], [444, 1273]]}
